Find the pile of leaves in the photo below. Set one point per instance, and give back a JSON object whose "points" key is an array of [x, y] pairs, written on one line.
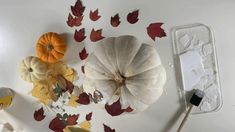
{"points": [[58, 80], [63, 85]]}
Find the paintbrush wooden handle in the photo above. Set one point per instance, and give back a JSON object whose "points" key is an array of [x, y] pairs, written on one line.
{"points": [[185, 118]]}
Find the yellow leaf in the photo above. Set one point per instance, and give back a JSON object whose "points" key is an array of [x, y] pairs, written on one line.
{"points": [[72, 102], [74, 129], [86, 125], [71, 77], [43, 91], [40, 91], [66, 129], [61, 68]]}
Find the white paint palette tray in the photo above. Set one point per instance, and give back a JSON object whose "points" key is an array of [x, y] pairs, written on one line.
{"points": [[196, 66]]}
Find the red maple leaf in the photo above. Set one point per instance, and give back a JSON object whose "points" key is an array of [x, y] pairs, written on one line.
{"points": [[69, 86], [108, 129], [88, 116], [114, 109], [39, 114], [74, 21], [132, 17], [128, 109], [115, 21], [72, 119], [96, 35], [83, 99], [57, 125], [79, 36], [83, 54], [78, 8], [78, 21], [94, 15], [154, 30], [83, 70], [70, 20]]}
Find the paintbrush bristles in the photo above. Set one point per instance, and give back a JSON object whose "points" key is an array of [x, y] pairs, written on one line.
{"points": [[197, 97]]}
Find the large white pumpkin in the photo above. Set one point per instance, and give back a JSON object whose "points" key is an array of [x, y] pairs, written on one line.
{"points": [[123, 68], [32, 69]]}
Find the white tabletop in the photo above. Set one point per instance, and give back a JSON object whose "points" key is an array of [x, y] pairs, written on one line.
{"points": [[22, 22]]}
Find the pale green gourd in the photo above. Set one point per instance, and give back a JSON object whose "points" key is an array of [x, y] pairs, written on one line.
{"points": [[32, 69]]}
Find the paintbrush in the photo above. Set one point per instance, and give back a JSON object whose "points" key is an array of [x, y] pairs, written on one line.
{"points": [[194, 101]]}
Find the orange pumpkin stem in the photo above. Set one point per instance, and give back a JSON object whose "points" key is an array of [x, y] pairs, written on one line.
{"points": [[50, 47]]}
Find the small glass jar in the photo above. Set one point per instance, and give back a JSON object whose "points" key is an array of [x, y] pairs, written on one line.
{"points": [[6, 97]]}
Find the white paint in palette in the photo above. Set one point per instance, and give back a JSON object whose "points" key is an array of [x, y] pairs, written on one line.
{"points": [[191, 68]]}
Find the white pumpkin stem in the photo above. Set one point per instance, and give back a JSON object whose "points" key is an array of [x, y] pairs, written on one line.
{"points": [[30, 70], [119, 79]]}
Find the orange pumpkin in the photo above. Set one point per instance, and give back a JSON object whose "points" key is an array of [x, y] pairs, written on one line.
{"points": [[50, 47]]}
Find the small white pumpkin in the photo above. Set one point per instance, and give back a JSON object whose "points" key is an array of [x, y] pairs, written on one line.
{"points": [[32, 69], [124, 68]]}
